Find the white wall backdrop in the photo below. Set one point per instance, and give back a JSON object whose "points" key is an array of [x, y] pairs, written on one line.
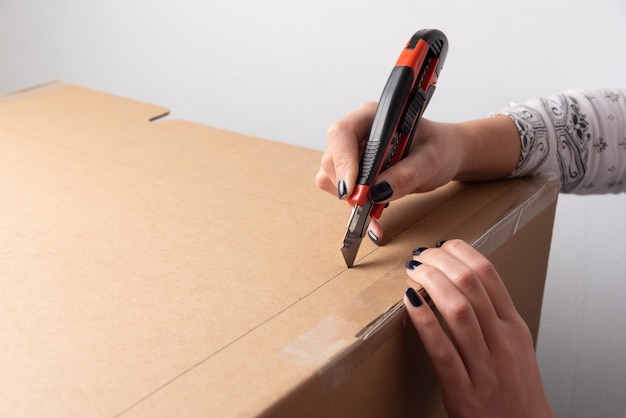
{"points": [[284, 70]]}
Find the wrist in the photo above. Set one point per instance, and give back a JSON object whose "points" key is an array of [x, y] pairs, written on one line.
{"points": [[489, 148]]}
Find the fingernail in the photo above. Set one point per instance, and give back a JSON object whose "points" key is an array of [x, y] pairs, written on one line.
{"points": [[419, 250], [373, 237], [413, 264], [381, 191], [342, 189], [440, 243], [413, 297]]}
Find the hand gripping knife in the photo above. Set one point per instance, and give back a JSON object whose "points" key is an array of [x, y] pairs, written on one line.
{"points": [[403, 101]]}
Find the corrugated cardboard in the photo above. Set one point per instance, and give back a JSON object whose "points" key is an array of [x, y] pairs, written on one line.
{"points": [[163, 268]]}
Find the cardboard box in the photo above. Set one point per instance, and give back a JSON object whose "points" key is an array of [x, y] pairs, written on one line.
{"points": [[163, 268]]}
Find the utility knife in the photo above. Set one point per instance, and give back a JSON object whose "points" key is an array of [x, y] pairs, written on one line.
{"points": [[403, 101]]}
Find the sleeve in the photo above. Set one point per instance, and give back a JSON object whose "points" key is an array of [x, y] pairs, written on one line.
{"points": [[579, 135]]}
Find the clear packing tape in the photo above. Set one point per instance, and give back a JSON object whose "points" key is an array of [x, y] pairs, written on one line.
{"points": [[487, 215]]}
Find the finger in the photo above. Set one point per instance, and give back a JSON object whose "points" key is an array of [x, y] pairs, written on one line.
{"points": [[445, 358], [457, 312], [375, 232], [420, 171], [487, 274], [345, 138], [467, 282], [325, 182]]}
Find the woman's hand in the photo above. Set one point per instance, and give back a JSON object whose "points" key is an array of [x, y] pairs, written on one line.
{"points": [[486, 364], [484, 149], [432, 161]]}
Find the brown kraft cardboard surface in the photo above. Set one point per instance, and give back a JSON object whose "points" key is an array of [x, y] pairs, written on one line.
{"points": [[164, 268]]}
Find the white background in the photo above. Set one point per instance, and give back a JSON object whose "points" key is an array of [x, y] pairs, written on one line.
{"points": [[285, 70]]}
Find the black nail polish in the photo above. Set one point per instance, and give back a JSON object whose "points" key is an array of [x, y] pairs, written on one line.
{"points": [[419, 250], [342, 189], [373, 237], [413, 264], [381, 191], [440, 243], [413, 297]]}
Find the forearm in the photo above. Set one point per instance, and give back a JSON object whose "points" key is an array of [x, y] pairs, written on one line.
{"points": [[489, 148]]}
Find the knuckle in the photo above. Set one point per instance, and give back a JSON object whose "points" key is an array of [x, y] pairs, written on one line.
{"points": [[405, 179], [327, 163], [341, 164], [522, 330], [459, 310], [429, 323], [484, 268], [456, 245], [425, 274], [466, 280], [337, 131], [444, 356], [478, 267]]}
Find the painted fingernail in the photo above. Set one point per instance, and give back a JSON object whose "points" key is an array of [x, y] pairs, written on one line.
{"points": [[413, 297], [412, 264], [440, 243], [419, 250], [381, 191], [342, 189], [373, 237]]}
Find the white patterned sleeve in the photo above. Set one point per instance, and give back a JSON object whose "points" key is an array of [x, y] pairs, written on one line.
{"points": [[579, 135]]}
